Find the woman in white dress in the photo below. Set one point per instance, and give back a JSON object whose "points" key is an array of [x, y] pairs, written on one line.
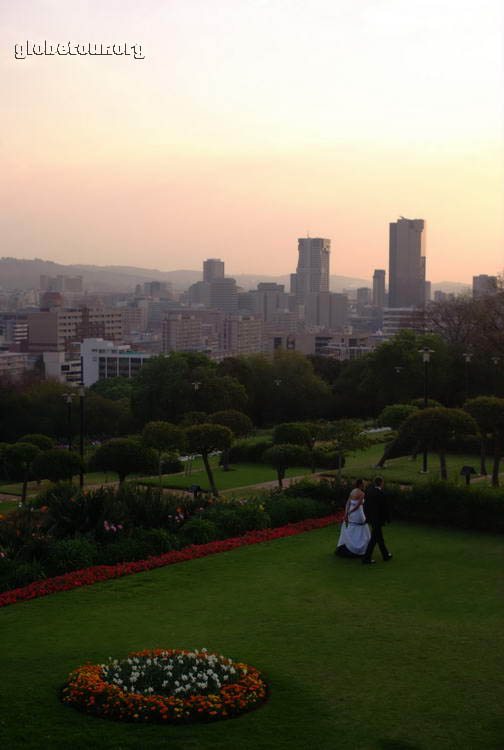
{"points": [[355, 534]]}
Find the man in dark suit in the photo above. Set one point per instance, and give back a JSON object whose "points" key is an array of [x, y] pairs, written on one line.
{"points": [[377, 514]]}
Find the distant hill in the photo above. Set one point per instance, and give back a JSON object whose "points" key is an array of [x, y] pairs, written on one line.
{"points": [[25, 274]]}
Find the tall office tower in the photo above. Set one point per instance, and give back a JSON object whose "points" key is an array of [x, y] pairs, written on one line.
{"points": [[484, 285], [312, 273], [224, 295], [379, 287], [213, 268], [407, 263], [364, 295], [428, 291]]}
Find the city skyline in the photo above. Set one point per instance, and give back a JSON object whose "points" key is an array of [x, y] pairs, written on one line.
{"points": [[247, 124]]}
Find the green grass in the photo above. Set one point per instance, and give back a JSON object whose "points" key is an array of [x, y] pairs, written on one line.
{"points": [[7, 506], [403, 655], [405, 470], [240, 475]]}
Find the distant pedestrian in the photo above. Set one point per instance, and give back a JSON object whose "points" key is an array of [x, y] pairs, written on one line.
{"points": [[377, 514]]}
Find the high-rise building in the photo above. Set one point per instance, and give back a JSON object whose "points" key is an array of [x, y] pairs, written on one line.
{"points": [[407, 263], [484, 285], [428, 291], [364, 295], [224, 295], [326, 310], [181, 332], [213, 268], [312, 273], [379, 287], [268, 299]]}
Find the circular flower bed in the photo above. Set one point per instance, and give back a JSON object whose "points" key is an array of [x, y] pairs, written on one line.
{"points": [[172, 686]]}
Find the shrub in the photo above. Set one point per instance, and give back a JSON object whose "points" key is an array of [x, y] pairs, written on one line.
{"points": [[443, 504], [249, 450], [283, 510], [66, 555], [326, 490], [327, 458], [199, 531], [171, 464], [15, 574], [123, 550], [156, 541]]}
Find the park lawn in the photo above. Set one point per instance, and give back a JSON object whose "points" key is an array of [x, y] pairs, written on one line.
{"points": [[7, 506], [90, 479], [392, 656], [239, 475], [406, 471]]}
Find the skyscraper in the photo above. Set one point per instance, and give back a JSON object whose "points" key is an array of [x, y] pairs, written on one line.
{"points": [[312, 274], [213, 268], [379, 287], [484, 285], [406, 263]]}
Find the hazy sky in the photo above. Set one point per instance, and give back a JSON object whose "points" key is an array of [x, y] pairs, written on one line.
{"points": [[249, 123]]}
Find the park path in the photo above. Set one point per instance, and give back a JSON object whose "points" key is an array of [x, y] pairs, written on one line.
{"points": [[274, 483]]}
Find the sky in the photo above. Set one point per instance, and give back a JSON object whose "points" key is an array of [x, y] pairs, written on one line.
{"points": [[242, 125]]}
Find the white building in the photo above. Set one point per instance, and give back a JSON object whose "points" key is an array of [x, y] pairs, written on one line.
{"points": [[106, 359]]}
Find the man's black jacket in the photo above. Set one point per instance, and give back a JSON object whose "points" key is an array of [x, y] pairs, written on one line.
{"points": [[376, 507]]}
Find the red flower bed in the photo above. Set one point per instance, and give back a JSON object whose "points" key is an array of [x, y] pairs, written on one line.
{"points": [[99, 573]]}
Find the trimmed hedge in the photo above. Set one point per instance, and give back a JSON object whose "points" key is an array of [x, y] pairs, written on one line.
{"points": [[249, 450], [443, 504]]}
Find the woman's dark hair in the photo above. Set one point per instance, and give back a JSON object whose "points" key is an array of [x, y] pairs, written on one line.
{"points": [[359, 482]]}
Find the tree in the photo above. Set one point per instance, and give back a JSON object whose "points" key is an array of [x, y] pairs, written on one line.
{"points": [[281, 389], [125, 456], [283, 456], [169, 386], [113, 389], [239, 424], [347, 437], [488, 412], [434, 429], [162, 437], [206, 439], [300, 433], [56, 465], [193, 417], [393, 416], [41, 441], [23, 454]]}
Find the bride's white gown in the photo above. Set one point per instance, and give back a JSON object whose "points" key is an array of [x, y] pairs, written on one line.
{"points": [[356, 535]]}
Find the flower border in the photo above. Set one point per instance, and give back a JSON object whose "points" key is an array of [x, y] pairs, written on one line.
{"points": [[87, 691], [98, 573]]}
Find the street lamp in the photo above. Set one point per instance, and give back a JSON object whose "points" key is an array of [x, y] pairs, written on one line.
{"points": [[496, 361], [68, 400], [467, 358], [426, 354], [82, 393]]}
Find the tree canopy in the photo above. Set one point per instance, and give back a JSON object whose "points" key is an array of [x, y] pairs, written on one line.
{"points": [[168, 387]]}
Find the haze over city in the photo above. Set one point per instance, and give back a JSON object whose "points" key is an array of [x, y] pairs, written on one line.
{"points": [[249, 124]]}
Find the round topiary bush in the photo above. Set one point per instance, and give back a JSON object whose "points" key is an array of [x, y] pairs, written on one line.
{"points": [[166, 686]]}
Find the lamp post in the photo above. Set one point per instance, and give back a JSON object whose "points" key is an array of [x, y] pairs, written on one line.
{"points": [[467, 358], [68, 400], [496, 361], [82, 393], [426, 353]]}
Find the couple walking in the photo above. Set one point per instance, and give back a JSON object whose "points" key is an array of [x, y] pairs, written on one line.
{"points": [[363, 508]]}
